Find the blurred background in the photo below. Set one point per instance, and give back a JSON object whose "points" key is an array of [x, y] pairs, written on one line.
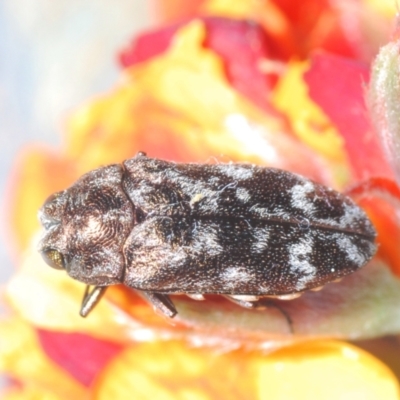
{"points": [[53, 57]]}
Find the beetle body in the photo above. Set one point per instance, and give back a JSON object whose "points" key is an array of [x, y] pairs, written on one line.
{"points": [[238, 230]]}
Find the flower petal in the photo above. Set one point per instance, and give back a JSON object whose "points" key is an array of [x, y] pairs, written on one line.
{"points": [[267, 13], [175, 371], [22, 359], [227, 38], [165, 107], [336, 85], [380, 198], [28, 393], [81, 355], [308, 121]]}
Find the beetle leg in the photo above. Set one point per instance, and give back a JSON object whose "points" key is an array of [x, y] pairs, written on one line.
{"points": [[162, 303], [91, 298]]}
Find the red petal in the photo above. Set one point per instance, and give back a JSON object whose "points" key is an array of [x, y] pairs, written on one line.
{"points": [[147, 45], [81, 355], [303, 14], [336, 42], [381, 199], [242, 45], [315, 24], [336, 84]]}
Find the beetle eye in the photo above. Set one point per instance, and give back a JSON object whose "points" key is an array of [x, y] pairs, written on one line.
{"points": [[53, 258]]}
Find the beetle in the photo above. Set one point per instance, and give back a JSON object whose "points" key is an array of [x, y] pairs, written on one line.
{"points": [[238, 230]]}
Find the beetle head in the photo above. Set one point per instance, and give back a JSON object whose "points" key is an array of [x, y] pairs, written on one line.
{"points": [[86, 226]]}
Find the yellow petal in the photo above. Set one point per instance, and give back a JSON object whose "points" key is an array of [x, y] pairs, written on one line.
{"points": [[22, 358], [308, 120], [29, 393], [174, 371], [191, 80], [183, 93], [180, 105], [387, 8], [326, 370]]}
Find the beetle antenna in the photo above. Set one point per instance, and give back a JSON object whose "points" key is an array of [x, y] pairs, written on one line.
{"points": [[91, 298]]}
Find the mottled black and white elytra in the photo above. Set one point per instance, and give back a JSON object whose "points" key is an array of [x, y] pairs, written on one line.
{"points": [[238, 230]]}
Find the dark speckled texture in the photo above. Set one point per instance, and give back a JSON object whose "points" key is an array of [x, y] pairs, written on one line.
{"points": [[232, 229]]}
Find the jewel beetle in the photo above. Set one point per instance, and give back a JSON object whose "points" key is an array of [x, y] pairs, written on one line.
{"points": [[237, 230]]}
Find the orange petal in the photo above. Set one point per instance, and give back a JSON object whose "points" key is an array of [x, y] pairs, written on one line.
{"points": [[273, 19], [175, 9], [174, 370], [266, 12], [387, 226], [380, 197]]}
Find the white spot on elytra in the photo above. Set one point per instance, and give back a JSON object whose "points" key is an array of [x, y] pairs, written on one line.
{"points": [[352, 251], [197, 190], [352, 214], [299, 197], [206, 241], [236, 171], [299, 261], [261, 237], [243, 194], [234, 276], [276, 212]]}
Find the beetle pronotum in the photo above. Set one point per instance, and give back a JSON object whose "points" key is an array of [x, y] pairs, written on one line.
{"points": [[238, 230]]}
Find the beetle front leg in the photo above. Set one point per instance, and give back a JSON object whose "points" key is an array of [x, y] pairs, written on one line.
{"points": [[161, 303], [91, 299]]}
